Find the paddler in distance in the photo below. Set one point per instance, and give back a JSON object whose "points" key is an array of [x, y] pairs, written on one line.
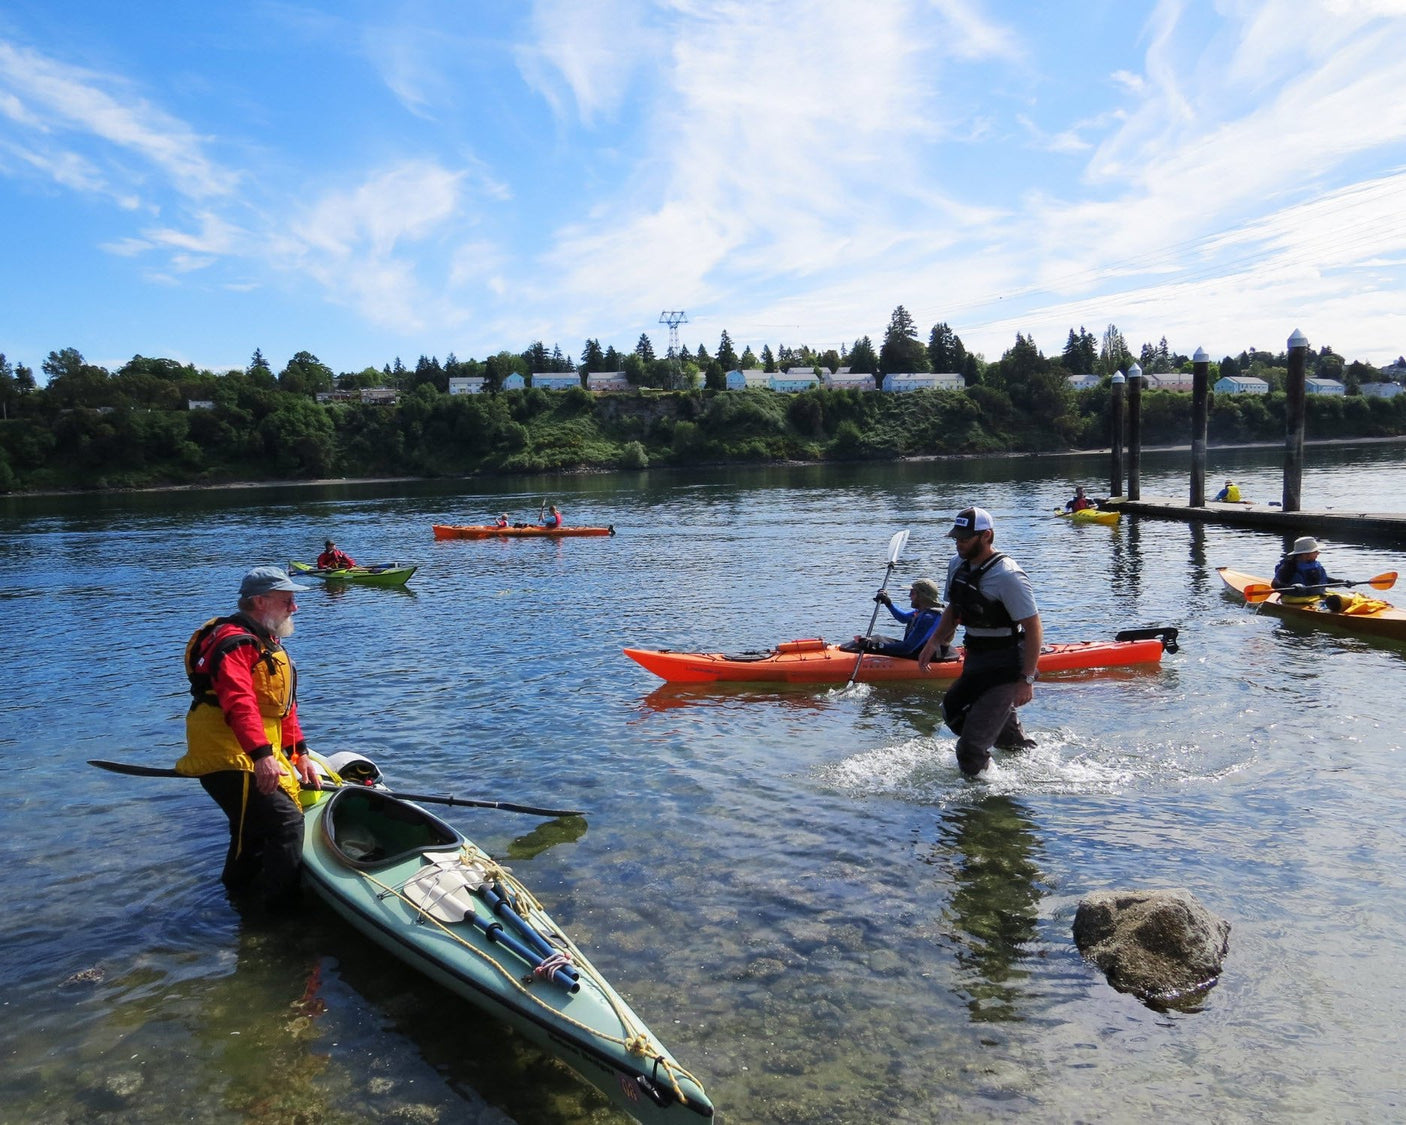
{"points": [[243, 738], [991, 598]]}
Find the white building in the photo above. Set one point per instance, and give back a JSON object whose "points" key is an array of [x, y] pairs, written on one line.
{"points": [[1083, 382], [1241, 385], [1371, 390], [556, 380], [466, 384], [794, 380], [898, 382], [599, 382], [1323, 387], [846, 380]]}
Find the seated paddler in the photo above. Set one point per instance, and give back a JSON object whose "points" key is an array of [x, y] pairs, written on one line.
{"points": [[920, 621], [334, 558], [1299, 574]]}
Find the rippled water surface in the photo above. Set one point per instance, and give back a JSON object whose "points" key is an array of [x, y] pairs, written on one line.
{"points": [[794, 887]]}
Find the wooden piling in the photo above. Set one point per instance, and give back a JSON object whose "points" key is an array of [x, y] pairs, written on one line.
{"points": [[1200, 413], [1135, 432], [1115, 439], [1294, 421]]}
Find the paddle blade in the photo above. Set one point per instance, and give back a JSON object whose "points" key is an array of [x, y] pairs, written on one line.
{"points": [[896, 545], [1257, 592], [134, 771], [1383, 581]]}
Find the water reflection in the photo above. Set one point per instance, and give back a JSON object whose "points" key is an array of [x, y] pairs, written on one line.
{"points": [[1126, 564], [1200, 572], [994, 854]]}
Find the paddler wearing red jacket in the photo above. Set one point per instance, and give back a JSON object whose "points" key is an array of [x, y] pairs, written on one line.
{"points": [[333, 558], [243, 738]]}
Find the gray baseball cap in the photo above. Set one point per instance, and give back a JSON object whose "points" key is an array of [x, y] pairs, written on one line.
{"points": [[267, 579]]}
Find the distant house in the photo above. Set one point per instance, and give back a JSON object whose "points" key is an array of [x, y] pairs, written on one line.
{"points": [[380, 396], [1240, 385], [1371, 390], [514, 382], [897, 382], [1083, 382], [1396, 372], [845, 379], [794, 380], [203, 404], [466, 384], [1167, 381], [600, 382], [1323, 387], [335, 396], [556, 380], [753, 379]]}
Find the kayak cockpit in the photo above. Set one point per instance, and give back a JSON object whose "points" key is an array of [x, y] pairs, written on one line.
{"points": [[367, 829]]}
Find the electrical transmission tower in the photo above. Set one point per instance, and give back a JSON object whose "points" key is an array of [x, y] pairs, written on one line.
{"points": [[673, 318]]}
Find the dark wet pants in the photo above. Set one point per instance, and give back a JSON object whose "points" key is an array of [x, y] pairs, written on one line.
{"points": [[980, 707], [266, 857]]}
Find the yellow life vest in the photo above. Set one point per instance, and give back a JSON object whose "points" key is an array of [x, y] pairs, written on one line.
{"points": [[1232, 494], [210, 743]]}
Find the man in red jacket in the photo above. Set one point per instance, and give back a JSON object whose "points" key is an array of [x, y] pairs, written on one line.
{"points": [[243, 738]]}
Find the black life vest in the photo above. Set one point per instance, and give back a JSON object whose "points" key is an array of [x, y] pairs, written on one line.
{"points": [[974, 609]]}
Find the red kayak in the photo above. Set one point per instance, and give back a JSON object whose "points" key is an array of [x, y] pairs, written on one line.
{"points": [[812, 661], [493, 531]]}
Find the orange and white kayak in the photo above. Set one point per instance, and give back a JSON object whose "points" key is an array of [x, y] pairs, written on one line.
{"points": [[812, 661], [524, 531]]}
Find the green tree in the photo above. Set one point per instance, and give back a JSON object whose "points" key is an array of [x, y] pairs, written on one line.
{"points": [[592, 358], [727, 354], [305, 374], [901, 349], [768, 360], [1080, 352], [644, 349], [863, 360], [945, 350], [747, 361], [259, 363], [1114, 356]]}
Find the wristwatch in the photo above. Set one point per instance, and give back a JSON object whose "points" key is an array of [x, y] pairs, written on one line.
{"points": [[1030, 679]]}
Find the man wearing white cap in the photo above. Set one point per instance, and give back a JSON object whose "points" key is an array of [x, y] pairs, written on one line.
{"points": [[1300, 571], [243, 739], [990, 596]]}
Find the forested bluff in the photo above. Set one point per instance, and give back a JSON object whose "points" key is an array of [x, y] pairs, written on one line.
{"points": [[90, 429]]}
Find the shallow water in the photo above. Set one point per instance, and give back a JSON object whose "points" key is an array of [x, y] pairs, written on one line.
{"points": [[794, 887]]}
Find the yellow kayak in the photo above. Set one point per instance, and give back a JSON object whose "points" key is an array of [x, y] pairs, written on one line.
{"points": [[1090, 515]]}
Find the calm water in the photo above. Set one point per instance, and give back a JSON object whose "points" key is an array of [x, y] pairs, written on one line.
{"points": [[794, 887]]}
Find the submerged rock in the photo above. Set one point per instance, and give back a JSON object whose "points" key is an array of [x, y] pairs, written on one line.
{"points": [[1161, 946]]}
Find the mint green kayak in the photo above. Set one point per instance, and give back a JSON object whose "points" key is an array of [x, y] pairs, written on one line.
{"points": [[430, 897], [386, 574]]}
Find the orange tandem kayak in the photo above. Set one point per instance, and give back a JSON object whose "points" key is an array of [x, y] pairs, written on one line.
{"points": [[1366, 617], [530, 531], [812, 661]]}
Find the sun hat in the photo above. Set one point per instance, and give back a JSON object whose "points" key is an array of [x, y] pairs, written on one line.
{"points": [[926, 591], [1305, 545], [267, 579], [969, 521]]}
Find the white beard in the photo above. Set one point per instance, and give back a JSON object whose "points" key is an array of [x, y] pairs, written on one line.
{"points": [[277, 628]]}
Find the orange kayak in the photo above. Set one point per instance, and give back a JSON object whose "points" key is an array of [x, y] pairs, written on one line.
{"points": [[492, 531], [812, 661]]}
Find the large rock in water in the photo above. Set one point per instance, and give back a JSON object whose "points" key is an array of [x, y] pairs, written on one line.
{"points": [[1161, 946]]}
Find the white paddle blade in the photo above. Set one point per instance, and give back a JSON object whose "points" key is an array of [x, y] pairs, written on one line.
{"points": [[896, 545]]}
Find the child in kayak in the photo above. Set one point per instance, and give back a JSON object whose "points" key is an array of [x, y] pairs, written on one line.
{"points": [[553, 517], [1301, 572]]}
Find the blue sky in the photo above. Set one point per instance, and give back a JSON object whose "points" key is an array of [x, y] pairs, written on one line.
{"points": [[372, 180]]}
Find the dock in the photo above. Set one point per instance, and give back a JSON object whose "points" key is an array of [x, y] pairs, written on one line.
{"points": [[1338, 524]]}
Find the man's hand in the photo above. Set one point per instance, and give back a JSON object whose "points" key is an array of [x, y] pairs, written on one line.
{"points": [[267, 774], [307, 772]]}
